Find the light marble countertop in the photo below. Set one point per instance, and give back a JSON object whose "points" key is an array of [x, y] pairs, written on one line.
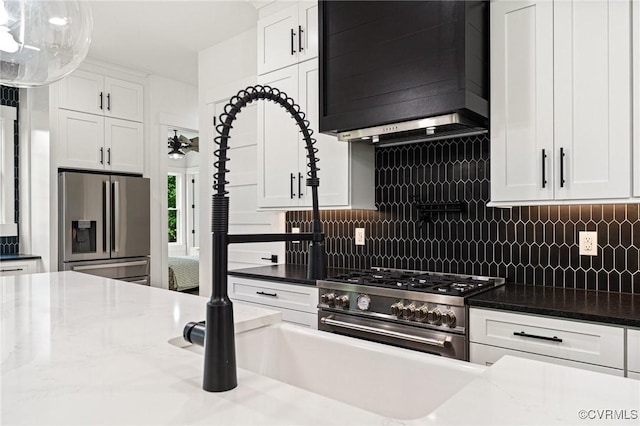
{"points": [[80, 349]]}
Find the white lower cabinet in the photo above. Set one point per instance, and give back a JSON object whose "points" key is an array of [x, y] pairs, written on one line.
{"points": [[18, 267], [633, 353], [298, 303], [590, 346]]}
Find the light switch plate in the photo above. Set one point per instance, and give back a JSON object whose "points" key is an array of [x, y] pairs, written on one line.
{"points": [[359, 236], [588, 243]]}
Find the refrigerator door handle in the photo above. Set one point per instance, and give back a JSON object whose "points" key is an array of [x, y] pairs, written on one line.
{"points": [[115, 219], [105, 211]]}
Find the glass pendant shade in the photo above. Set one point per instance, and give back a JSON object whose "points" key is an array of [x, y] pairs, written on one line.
{"points": [[42, 41]]}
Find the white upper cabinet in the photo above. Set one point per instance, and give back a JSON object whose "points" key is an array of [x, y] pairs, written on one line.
{"points": [[88, 141], [592, 99], [97, 94], [100, 123], [288, 36], [521, 101], [124, 144], [346, 170], [278, 144], [561, 102], [81, 140]]}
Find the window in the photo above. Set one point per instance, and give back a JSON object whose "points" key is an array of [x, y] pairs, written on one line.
{"points": [[173, 202]]}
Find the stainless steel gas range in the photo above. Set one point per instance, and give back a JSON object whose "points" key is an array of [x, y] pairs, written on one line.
{"points": [[424, 311]]}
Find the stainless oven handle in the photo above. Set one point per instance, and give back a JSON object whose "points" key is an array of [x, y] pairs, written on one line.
{"points": [[388, 333]]}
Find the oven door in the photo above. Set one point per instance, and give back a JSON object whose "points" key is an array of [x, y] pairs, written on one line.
{"points": [[405, 336]]}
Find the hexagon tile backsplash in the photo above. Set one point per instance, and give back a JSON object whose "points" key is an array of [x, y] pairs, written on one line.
{"points": [[9, 96], [532, 245]]}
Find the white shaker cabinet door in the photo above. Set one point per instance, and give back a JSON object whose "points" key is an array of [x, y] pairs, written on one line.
{"points": [[124, 99], [278, 144], [334, 155], [592, 99], [124, 145], [81, 140], [82, 91], [307, 30], [522, 161], [278, 40]]}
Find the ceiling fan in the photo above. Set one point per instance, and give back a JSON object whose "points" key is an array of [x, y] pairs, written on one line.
{"points": [[180, 145]]}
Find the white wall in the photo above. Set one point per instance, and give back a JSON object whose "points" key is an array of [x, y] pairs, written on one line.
{"points": [[169, 104], [224, 69]]}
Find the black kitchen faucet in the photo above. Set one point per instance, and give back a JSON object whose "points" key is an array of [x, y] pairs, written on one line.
{"points": [[218, 338]]}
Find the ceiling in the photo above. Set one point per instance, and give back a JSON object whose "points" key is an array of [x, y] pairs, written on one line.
{"points": [[164, 37]]}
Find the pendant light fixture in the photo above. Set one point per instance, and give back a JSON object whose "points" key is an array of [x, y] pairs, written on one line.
{"points": [[175, 144], [42, 41]]}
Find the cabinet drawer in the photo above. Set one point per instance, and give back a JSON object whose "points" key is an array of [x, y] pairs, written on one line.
{"points": [[632, 375], [19, 267], [633, 350], [278, 295], [488, 355], [571, 340]]}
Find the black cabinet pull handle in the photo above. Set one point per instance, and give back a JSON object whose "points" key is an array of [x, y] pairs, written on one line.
{"points": [[300, 185], [109, 156], [108, 101], [300, 30], [562, 155], [101, 155], [533, 336], [544, 170], [293, 35], [262, 293], [11, 270], [101, 100], [293, 178], [273, 258]]}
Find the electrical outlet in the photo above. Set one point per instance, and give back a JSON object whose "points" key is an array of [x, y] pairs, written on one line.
{"points": [[295, 231], [588, 243], [359, 236]]}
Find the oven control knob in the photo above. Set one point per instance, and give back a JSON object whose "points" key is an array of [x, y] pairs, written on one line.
{"points": [[450, 319], [409, 311], [342, 301], [435, 317], [397, 309], [328, 298], [422, 313], [363, 302]]}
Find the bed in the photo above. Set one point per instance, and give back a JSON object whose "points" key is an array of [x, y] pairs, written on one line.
{"points": [[183, 273]]}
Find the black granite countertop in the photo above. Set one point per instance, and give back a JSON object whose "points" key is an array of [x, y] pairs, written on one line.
{"points": [[587, 305], [19, 256], [295, 274]]}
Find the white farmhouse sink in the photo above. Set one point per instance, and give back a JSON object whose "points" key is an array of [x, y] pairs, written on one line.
{"points": [[393, 382]]}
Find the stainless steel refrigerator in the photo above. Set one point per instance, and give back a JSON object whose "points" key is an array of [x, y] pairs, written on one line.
{"points": [[104, 225]]}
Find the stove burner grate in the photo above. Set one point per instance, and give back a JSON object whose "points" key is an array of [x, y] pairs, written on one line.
{"points": [[415, 281]]}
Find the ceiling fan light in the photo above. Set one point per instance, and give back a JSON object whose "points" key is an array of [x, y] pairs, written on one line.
{"points": [[176, 154]]}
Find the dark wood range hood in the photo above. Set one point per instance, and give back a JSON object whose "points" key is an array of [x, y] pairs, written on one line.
{"points": [[403, 71]]}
